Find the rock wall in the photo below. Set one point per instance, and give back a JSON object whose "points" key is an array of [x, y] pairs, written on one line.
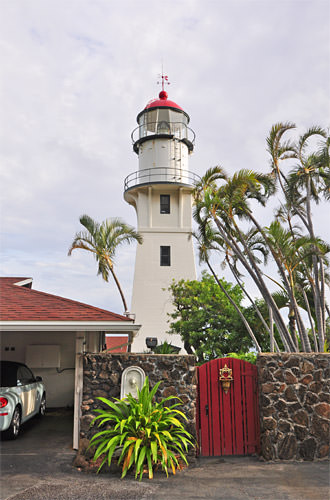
{"points": [[294, 391], [102, 377]]}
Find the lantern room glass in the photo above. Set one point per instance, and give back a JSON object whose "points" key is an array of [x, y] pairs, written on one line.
{"points": [[163, 121]]}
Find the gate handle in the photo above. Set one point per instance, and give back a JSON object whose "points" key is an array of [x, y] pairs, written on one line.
{"points": [[207, 410]]}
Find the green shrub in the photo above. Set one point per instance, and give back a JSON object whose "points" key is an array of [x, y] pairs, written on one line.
{"points": [[149, 434], [251, 357], [166, 348]]}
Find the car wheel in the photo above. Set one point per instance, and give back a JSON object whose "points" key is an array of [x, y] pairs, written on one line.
{"points": [[42, 407], [15, 425]]}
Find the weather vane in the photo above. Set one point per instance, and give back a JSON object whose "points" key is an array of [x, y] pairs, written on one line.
{"points": [[163, 80]]}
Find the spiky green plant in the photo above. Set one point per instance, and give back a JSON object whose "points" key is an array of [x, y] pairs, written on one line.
{"points": [[149, 434], [165, 348]]}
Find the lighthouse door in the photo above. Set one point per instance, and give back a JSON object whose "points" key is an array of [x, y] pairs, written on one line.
{"points": [[227, 420]]}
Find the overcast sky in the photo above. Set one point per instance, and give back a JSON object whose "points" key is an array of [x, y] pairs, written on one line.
{"points": [[74, 75]]}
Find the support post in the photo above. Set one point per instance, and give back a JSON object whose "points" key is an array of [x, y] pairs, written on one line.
{"points": [[78, 388]]}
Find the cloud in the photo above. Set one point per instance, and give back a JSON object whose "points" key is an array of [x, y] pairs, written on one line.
{"points": [[76, 73]]}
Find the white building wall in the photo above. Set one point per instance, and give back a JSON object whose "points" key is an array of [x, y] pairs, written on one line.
{"points": [[150, 302], [168, 157], [146, 201]]}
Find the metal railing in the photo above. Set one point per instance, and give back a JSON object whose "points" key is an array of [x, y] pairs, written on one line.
{"points": [[161, 175], [178, 130]]}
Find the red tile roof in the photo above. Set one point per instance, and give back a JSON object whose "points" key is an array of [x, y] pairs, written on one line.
{"points": [[116, 344], [21, 303]]}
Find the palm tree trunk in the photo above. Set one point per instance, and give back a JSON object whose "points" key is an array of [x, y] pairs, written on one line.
{"points": [[255, 274], [120, 290], [322, 279], [317, 296], [271, 323], [286, 338], [311, 322], [292, 325], [302, 331], [327, 309], [247, 326], [270, 328]]}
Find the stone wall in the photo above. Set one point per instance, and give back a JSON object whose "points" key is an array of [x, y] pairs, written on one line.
{"points": [[294, 394], [102, 377]]}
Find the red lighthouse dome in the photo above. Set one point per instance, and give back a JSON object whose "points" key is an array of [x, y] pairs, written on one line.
{"points": [[165, 103], [162, 102]]}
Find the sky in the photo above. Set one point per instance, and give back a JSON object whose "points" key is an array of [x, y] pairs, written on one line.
{"points": [[74, 75]]}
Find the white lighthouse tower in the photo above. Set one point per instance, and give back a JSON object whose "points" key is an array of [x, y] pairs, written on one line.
{"points": [[160, 191]]}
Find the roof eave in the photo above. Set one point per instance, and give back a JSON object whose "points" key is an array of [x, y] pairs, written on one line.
{"points": [[69, 326]]}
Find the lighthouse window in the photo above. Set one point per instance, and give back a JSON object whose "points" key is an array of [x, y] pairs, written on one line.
{"points": [[151, 119], [165, 256], [163, 115], [163, 128], [165, 204]]}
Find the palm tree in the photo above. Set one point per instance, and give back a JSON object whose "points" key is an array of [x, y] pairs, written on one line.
{"points": [[103, 240], [208, 239], [223, 202], [307, 182], [226, 203], [280, 150]]}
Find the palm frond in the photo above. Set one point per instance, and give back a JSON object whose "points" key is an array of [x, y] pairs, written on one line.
{"points": [[103, 241]]}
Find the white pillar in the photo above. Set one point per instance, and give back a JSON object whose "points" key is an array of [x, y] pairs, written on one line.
{"points": [[78, 388]]}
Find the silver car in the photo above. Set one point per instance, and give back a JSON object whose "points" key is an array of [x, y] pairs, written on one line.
{"points": [[22, 395]]}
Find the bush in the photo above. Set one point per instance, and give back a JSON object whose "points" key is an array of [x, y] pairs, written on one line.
{"points": [[251, 357], [147, 433], [166, 348]]}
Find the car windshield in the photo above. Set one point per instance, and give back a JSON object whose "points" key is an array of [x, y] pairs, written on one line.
{"points": [[8, 374]]}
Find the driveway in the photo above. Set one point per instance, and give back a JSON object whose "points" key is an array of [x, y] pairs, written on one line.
{"points": [[38, 466]]}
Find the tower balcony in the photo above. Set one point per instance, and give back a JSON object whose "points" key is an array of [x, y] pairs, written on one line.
{"points": [[161, 175], [163, 130]]}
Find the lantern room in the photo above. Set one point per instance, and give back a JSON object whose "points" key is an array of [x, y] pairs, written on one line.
{"points": [[163, 142], [162, 117]]}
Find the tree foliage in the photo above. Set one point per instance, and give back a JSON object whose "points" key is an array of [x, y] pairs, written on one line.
{"points": [[209, 325], [250, 357]]}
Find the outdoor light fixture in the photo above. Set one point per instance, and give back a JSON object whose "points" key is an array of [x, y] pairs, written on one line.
{"points": [[151, 342], [225, 377]]}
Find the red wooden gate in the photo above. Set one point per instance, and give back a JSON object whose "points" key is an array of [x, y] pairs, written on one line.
{"points": [[227, 423]]}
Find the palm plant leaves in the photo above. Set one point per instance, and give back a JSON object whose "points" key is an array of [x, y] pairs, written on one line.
{"points": [[221, 202], [148, 433], [222, 207], [103, 240], [279, 149]]}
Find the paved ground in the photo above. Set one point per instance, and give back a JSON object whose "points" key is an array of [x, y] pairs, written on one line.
{"points": [[37, 466]]}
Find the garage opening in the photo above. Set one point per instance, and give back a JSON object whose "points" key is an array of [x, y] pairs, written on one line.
{"points": [[51, 356]]}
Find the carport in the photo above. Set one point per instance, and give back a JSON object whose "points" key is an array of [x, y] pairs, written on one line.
{"points": [[50, 333]]}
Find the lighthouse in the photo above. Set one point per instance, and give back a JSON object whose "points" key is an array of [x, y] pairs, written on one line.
{"points": [[161, 193]]}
